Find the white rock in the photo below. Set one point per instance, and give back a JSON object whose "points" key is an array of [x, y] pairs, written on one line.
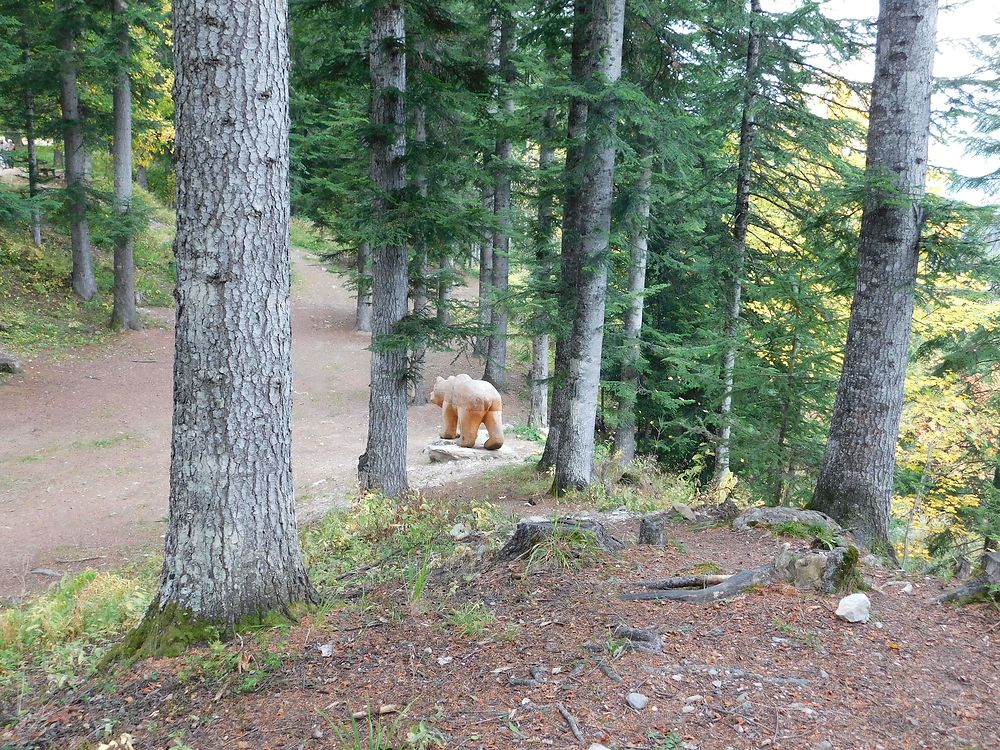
{"points": [[442, 660], [459, 532], [638, 701], [689, 709], [694, 699], [684, 511], [598, 746], [803, 708], [907, 589], [854, 608]]}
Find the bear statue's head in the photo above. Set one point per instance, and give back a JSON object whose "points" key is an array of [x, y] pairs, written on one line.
{"points": [[438, 392]]}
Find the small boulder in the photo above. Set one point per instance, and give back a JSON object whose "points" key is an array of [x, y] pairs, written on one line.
{"points": [[684, 511], [638, 701], [776, 516], [10, 364], [854, 608], [443, 451]]}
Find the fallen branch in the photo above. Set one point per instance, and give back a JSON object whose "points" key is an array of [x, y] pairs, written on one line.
{"points": [[640, 639], [732, 586], [80, 560], [574, 727]]}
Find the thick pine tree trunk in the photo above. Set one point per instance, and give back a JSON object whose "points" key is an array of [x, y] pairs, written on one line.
{"points": [[496, 345], [363, 316], [538, 413], [232, 547], [741, 223], [383, 464], [568, 260], [124, 313], [421, 303], [575, 462], [29, 135], [855, 482], [84, 284], [638, 253]]}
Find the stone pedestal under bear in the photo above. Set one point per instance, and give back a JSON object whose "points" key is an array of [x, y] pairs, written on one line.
{"points": [[466, 404]]}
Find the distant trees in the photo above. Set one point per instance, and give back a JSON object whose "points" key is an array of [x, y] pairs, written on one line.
{"points": [[232, 550], [856, 479]]}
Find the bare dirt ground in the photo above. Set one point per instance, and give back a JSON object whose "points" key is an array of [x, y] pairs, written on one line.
{"points": [[770, 669], [85, 445]]}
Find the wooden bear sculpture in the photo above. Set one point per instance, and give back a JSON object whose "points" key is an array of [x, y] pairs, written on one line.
{"points": [[466, 404]]}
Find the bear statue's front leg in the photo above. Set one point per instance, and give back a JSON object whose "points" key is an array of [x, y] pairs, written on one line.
{"points": [[494, 426], [470, 421], [450, 431]]}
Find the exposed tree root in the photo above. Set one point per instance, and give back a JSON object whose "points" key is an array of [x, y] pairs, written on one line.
{"points": [[574, 726], [826, 571]]}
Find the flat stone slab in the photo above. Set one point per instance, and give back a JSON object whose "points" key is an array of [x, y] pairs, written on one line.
{"points": [[445, 451], [775, 516]]}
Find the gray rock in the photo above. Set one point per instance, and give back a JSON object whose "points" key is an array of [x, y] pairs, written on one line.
{"points": [[10, 364], [854, 608], [598, 746], [684, 511], [774, 516], [638, 701], [443, 452]]}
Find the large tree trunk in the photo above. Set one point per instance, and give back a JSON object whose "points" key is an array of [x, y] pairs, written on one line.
{"points": [[232, 546], [538, 413], [625, 430], [84, 284], [421, 303], [496, 345], [741, 223], [855, 482], [29, 135], [575, 462], [568, 261], [383, 464], [124, 313]]}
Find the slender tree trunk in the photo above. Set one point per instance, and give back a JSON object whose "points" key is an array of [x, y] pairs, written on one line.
{"points": [[568, 256], [786, 422], [421, 304], [485, 278], [638, 250], [363, 316], [29, 135], [383, 464], [496, 351], [84, 284], [538, 414], [446, 270], [142, 177], [124, 313], [232, 546], [855, 482], [575, 462], [741, 222], [57, 158]]}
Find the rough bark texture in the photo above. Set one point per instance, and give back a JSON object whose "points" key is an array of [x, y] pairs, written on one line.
{"points": [[568, 261], [653, 529], [538, 378], [741, 223], [232, 547], [624, 446], [496, 346], [421, 303], [84, 284], [575, 462], [124, 313], [855, 482], [363, 316], [29, 136], [383, 464]]}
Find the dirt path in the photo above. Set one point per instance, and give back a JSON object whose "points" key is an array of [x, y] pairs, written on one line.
{"points": [[85, 443]]}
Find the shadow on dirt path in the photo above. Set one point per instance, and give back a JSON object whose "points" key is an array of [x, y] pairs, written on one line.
{"points": [[86, 438]]}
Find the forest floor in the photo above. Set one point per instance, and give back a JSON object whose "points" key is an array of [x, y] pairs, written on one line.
{"points": [[86, 435], [448, 667]]}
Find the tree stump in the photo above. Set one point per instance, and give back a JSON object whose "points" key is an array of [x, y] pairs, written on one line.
{"points": [[653, 529], [531, 532]]}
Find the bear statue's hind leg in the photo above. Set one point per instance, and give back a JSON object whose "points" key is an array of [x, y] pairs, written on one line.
{"points": [[470, 421], [494, 425], [450, 431]]}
